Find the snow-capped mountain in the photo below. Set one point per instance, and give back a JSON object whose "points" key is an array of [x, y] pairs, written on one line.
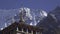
{"points": [[29, 16], [6, 15]]}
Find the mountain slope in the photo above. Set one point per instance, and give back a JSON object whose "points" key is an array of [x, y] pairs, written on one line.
{"points": [[51, 22]]}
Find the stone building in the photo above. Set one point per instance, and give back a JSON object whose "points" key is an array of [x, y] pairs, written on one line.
{"points": [[21, 28]]}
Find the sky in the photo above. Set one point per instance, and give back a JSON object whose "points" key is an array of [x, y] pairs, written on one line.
{"points": [[47, 5]]}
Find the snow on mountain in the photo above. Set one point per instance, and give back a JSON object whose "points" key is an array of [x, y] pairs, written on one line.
{"points": [[6, 15], [30, 16]]}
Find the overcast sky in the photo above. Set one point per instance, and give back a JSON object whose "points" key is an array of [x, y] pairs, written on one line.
{"points": [[35, 4]]}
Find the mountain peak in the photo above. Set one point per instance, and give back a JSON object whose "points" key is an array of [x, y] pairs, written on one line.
{"points": [[57, 8]]}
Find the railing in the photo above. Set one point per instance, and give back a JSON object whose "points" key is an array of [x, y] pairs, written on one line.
{"points": [[27, 32]]}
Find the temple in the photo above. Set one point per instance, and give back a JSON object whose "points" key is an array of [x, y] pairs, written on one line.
{"points": [[21, 28]]}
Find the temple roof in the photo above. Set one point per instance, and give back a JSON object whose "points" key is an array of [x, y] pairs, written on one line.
{"points": [[21, 25]]}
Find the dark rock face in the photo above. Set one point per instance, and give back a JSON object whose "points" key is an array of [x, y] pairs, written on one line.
{"points": [[51, 22], [56, 12]]}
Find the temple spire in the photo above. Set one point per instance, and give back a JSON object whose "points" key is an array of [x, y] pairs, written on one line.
{"points": [[21, 15]]}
